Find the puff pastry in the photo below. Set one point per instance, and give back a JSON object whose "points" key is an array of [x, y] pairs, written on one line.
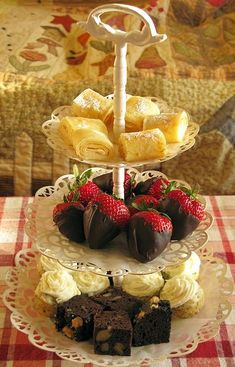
{"points": [[137, 108], [92, 105], [142, 145], [69, 125], [173, 125], [92, 145]]}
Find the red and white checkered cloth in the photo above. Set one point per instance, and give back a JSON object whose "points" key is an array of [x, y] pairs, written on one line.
{"points": [[15, 349]]}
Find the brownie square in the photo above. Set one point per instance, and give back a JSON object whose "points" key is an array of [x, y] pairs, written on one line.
{"points": [[152, 325], [112, 333], [75, 317], [115, 299]]}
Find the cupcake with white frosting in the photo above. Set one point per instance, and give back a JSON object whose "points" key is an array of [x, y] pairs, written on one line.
{"points": [[90, 283], [190, 267], [46, 263], [55, 286], [146, 285], [184, 294]]}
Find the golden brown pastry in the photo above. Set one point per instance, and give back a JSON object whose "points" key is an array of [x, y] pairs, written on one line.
{"points": [[142, 145], [137, 108], [69, 125], [92, 145], [91, 104], [173, 125]]}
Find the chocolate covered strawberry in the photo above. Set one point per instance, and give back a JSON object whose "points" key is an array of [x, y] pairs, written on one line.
{"points": [[158, 187], [105, 183], [104, 219], [68, 217], [82, 189], [155, 186], [142, 202], [149, 233], [185, 211]]}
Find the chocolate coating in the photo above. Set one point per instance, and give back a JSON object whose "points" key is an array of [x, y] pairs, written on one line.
{"points": [[105, 182], [145, 244], [183, 223], [99, 229], [143, 186], [70, 223]]}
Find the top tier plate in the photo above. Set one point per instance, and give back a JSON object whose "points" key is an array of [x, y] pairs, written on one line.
{"points": [[55, 141]]}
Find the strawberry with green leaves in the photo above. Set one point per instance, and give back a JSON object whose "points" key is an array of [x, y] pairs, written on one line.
{"points": [[142, 202], [149, 233], [82, 189], [104, 218], [185, 211], [105, 183], [154, 186]]}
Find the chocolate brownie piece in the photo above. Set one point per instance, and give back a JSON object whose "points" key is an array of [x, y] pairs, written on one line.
{"points": [[152, 325], [75, 317], [115, 299], [112, 333]]}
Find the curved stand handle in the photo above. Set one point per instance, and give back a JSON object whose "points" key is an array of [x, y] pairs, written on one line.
{"points": [[101, 30]]}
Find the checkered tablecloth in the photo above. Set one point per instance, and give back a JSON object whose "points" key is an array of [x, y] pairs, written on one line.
{"points": [[15, 349]]}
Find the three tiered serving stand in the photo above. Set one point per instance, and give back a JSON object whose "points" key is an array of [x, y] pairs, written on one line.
{"points": [[22, 280]]}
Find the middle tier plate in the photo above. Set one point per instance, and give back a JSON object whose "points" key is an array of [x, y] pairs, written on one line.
{"points": [[114, 259]]}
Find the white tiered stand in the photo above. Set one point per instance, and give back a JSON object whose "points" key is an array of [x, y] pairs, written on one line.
{"points": [[185, 335]]}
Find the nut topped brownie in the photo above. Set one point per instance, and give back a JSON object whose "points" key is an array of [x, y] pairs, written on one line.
{"points": [[75, 318], [112, 333], [115, 299], [152, 325]]}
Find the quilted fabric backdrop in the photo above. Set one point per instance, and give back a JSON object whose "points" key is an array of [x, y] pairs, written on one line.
{"points": [[46, 60]]}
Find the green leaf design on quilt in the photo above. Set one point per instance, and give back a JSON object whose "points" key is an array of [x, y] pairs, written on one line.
{"points": [[106, 46], [186, 51], [38, 67], [221, 56], [211, 31], [229, 31], [16, 63]]}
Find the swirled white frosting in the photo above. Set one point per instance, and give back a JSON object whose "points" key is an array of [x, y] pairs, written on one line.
{"points": [[142, 285], [90, 283], [179, 289], [56, 286], [47, 264], [189, 267]]}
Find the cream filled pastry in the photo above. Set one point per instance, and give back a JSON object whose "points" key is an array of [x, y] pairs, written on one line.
{"points": [[92, 105], [46, 263], [143, 285], [69, 125], [56, 286], [92, 145], [142, 145], [90, 283], [173, 125], [190, 267], [184, 294], [137, 108]]}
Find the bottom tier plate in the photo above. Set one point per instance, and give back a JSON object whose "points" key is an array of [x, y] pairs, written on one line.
{"points": [[185, 335]]}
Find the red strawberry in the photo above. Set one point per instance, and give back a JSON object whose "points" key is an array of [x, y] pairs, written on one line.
{"points": [[69, 219], [184, 210], [104, 218], [158, 187], [142, 202], [105, 183], [82, 189], [148, 235]]}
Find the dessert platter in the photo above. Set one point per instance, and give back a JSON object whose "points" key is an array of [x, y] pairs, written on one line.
{"points": [[120, 272]]}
